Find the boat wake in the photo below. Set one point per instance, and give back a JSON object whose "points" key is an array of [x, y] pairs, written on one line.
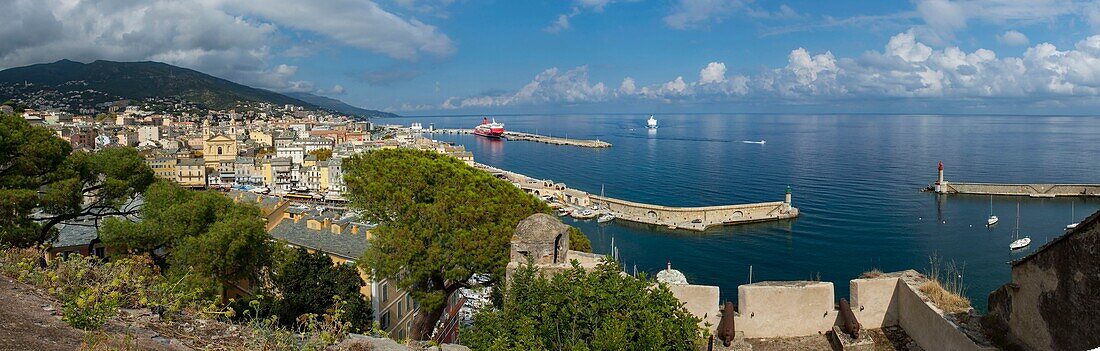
{"points": [[761, 142]]}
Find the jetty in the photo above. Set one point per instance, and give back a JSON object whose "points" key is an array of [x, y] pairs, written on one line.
{"points": [[591, 143], [688, 218], [942, 186]]}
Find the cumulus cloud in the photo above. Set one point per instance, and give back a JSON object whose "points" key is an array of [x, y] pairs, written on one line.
{"points": [[233, 40], [1013, 38], [714, 72], [905, 68]]}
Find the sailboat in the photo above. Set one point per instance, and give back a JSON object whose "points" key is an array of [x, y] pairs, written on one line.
{"points": [[1073, 225], [992, 219], [1020, 242], [606, 216]]}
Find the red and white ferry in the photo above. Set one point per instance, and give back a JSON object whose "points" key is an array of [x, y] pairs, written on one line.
{"points": [[490, 129]]}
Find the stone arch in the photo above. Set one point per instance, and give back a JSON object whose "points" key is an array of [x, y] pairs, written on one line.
{"points": [[557, 248], [738, 214], [651, 215]]}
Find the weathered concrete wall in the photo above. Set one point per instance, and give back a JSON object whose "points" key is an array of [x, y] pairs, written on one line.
{"points": [[874, 301], [926, 324], [1037, 190], [1053, 301], [785, 309], [700, 300], [683, 217]]}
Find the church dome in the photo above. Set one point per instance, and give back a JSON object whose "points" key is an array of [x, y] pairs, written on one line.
{"points": [[671, 276]]}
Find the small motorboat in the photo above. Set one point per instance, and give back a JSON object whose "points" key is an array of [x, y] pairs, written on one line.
{"points": [[992, 220], [563, 212], [604, 218]]}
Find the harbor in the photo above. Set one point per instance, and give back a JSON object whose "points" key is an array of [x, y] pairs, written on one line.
{"points": [[538, 138], [942, 186]]}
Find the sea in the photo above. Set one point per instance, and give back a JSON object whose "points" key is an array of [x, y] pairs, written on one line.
{"points": [[856, 180]]}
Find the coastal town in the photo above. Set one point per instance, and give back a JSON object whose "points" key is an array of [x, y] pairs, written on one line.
{"points": [[596, 175]]}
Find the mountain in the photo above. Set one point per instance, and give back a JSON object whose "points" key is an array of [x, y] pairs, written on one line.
{"points": [[135, 80], [339, 106]]}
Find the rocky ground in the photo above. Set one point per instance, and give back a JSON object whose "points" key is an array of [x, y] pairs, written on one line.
{"points": [[31, 320], [886, 339]]}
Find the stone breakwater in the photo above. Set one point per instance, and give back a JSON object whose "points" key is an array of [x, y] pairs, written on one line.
{"points": [[1031, 190], [689, 218]]}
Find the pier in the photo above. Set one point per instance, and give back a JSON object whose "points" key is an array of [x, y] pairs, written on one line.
{"points": [[942, 186], [532, 137], [688, 218]]}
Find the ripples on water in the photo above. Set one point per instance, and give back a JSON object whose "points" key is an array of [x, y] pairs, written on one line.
{"points": [[856, 180]]}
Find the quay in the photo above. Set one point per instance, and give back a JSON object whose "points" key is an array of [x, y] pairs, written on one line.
{"points": [[688, 218], [942, 186], [533, 137]]}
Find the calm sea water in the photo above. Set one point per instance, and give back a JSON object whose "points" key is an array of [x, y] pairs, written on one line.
{"points": [[855, 178]]}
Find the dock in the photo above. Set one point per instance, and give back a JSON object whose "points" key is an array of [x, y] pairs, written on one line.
{"points": [[590, 143], [687, 218], [942, 186]]}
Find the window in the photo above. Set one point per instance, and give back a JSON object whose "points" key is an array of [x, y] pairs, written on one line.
{"points": [[100, 252], [219, 150], [384, 321], [385, 293]]}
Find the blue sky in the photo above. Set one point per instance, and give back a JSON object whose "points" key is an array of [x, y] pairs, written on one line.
{"points": [[465, 56]]}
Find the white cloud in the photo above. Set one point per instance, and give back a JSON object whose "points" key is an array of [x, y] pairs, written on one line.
{"points": [[688, 14], [904, 69], [627, 87], [359, 23], [562, 22], [1013, 38], [714, 72]]}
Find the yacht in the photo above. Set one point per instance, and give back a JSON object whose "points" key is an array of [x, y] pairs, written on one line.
{"points": [[1019, 243], [992, 219]]}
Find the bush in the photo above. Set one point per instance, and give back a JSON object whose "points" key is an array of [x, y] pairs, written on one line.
{"points": [[91, 307]]}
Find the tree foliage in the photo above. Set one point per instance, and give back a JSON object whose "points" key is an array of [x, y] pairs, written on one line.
{"points": [[308, 282], [43, 183], [442, 222], [579, 310], [578, 241], [211, 241]]}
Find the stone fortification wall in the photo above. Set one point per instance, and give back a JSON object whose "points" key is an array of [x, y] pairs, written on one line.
{"points": [[785, 309], [700, 300], [926, 324], [800, 308]]}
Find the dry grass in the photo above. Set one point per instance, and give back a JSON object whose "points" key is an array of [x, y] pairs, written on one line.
{"points": [[873, 273], [947, 301], [945, 286]]}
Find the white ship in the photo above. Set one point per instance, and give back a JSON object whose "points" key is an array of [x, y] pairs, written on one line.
{"points": [[651, 123]]}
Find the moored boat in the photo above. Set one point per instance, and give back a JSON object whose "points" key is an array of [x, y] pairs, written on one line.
{"points": [[488, 129], [604, 218]]}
